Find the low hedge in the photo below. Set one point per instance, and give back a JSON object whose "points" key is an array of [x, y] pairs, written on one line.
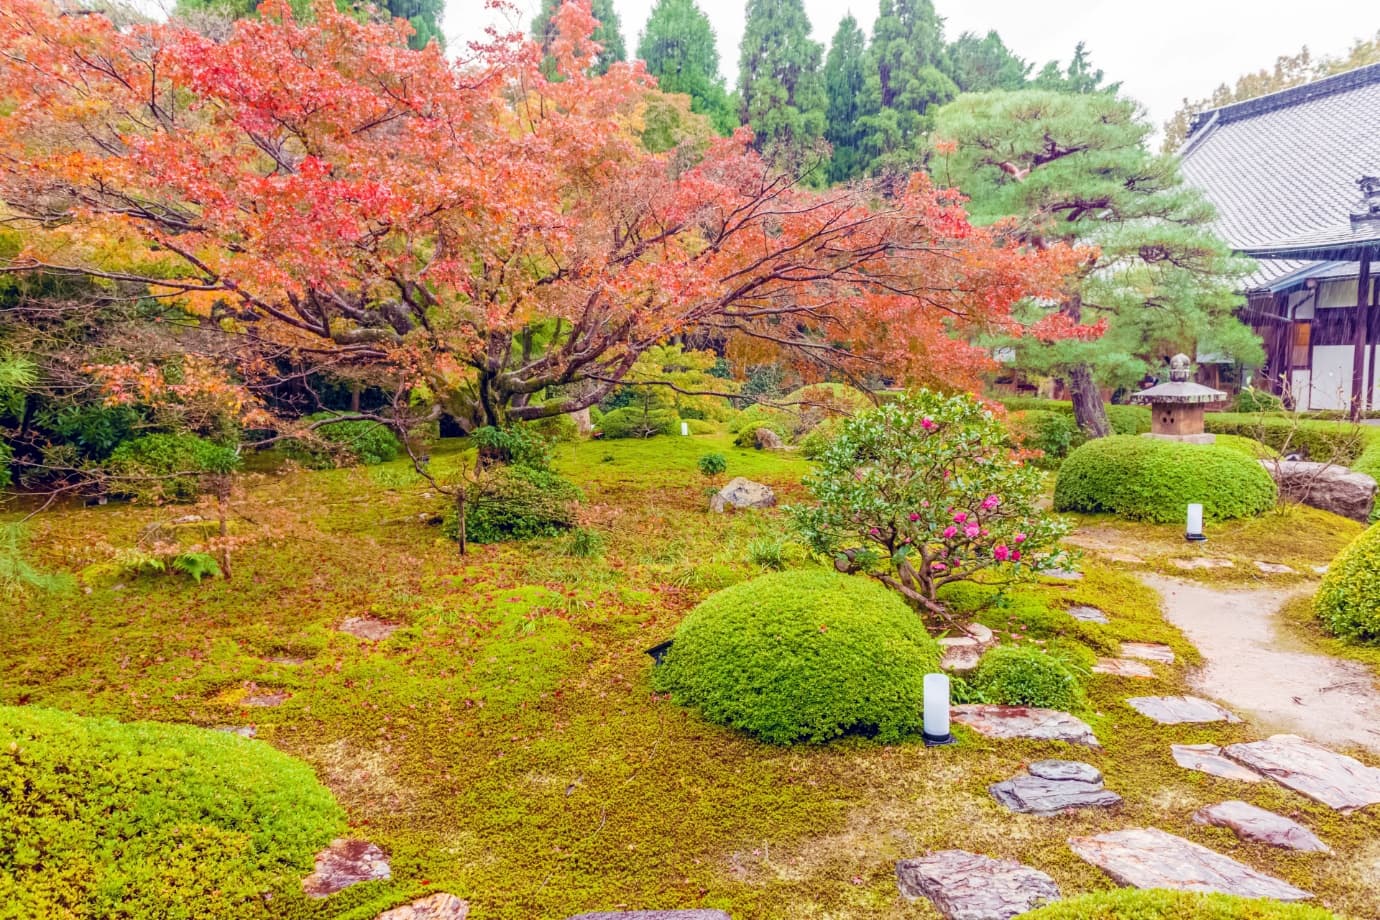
{"points": [[1024, 675], [1147, 479], [1348, 601], [1315, 439], [1248, 446], [633, 422], [803, 656], [166, 467], [130, 820], [1161, 904]]}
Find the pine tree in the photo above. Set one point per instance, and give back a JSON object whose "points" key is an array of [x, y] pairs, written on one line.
{"points": [[983, 64], [1073, 167], [906, 78], [609, 34], [680, 50], [780, 90], [845, 78]]}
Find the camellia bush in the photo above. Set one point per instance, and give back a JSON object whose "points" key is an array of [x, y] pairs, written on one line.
{"points": [[923, 492]]}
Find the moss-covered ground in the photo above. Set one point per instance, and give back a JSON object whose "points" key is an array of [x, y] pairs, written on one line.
{"points": [[505, 744]]}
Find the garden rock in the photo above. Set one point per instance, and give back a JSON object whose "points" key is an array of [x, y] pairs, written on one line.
{"points": [[1252, 823], [1177, 710], [766, 439], [1053, 786], [969, 886], [1122, 667], [1209, 759], [654, 915], [1337, 781], [742, 493], [439, 906], [981, 633], [368, 628], [1326, 486], [1063, 574], [345, 863], [1150, 858], [1148, 651], [1203, 562], [1024, 722], [1273, 568], [960, 653], [244, 731], [1088, 614]]}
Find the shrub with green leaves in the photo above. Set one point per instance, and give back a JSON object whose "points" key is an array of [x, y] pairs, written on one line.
{"points": [[1025, 675], [802, 656], [520, 445], [924, 491], [6, 455], [635, 422], [711, 465], [516, 503], [1148, 479], [1348, 601], [359, 441], [133, 820], [1248, 446], [166, 467], [1128, 419], [1160, 904], [1250, 399], [1053, 434], [813, 444]]}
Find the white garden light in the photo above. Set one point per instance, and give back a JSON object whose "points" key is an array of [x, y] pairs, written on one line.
{"points": [[1195, 524], [936, 729], [684, 429]]}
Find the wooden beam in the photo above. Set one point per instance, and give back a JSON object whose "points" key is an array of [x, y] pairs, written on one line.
{"points": [[1358, 364]]}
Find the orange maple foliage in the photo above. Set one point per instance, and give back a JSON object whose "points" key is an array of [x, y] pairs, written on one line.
{"points": [[472, 225]]}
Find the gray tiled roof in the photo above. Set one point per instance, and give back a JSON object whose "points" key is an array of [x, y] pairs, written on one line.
{"points": [[1284, 166]]}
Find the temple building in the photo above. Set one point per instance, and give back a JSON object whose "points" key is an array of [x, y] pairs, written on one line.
{"points": [[1295, 178]]}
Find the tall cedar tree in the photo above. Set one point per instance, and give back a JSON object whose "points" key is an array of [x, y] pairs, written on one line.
{"points": [[845, 79], [1073, 168], [608, 34], [906, 79], [1078, 77], [423, 15], [679, 48], [780, 90], [982, 64], [498, 243]]}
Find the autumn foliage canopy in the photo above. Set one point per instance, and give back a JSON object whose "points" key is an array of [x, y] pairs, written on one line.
{"points": [[505, 241]]}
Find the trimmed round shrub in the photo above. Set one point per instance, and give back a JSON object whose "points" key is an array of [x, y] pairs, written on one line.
{"points": [[1054, 434], [1129, 419], [1248, 446], [343, 443], [516, 503], [1148, 479], [633, 422], [1160, 904], [167, 467], [128, 820], [1348, 602], [1025, 675], [701, 426], [803, 656]]}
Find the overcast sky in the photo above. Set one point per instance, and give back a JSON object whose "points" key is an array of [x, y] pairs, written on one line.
{"points": [[1162, 51]]}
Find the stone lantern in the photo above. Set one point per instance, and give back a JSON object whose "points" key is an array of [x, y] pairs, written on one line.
{"points": [[1177, 407]]}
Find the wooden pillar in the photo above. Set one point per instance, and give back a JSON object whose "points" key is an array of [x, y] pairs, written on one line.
{"points": [[1358, 364]]}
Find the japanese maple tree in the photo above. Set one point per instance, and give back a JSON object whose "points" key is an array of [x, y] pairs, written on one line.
{"points": [[485, 234]]}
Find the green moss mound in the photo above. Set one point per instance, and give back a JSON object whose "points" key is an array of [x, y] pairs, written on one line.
{"points": [[516, 503], [122, 820], [803, 656], [1146, 479], [633, 422], [1252, 448], [1348, 602], [1023, 675], [1154, 904]]}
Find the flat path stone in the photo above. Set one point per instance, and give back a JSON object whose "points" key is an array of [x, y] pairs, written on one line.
{"points": [[1340, 782], [1065, 770], [1273, 568], [1252, 823], [1251, 666], [654, 915], [1177, 710], [1088, 614], [1209, 759], [244, 731], [1122, 667], [1148, 857], [1148, 651], [1035, 795], [368, 628], [1203, 562], [960, 653], [1024, 722], [1063, 574], [345, 863], [969, 886], [439, 906]]}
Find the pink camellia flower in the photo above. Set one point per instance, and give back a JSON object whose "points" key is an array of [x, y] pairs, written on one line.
{"points": [[971, 531], [875, 532], [914, 517], [950, 531], [1000, 552], [925, 503], [960, 518], [939, 567], [927, 423], [991, 502], [984, 531], [1015, 555], [1018, 538]]}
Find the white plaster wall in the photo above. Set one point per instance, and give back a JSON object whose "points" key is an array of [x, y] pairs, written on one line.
{"points": [[1329, 386]]}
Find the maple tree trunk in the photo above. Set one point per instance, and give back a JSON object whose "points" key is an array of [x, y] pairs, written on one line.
{"points": [[1088, 410]]}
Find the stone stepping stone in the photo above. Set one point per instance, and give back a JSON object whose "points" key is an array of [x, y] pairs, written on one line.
{"points": [[244, 731], [1148, 651], [969, 886], [1054, 786], [1208, 758], [1122, 667], [1274, 568], [654, 915], [981, 633], [1063, 574], [1024, 722], [1203, 562], [1178, 710], [266, 699], [1088, 614], [368, 628], [1124, 558], [1337, 781], [959, 653], [1252, 823], [439, 906], [1147, 857], [345, 863]]}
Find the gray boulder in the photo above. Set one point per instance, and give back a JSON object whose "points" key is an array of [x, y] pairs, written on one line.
{"points": [[766, 439], [1324, 485], [742, 493]]}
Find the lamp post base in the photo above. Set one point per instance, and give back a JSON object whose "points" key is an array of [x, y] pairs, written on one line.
{"points": [[1195, 537], [936, 740]]}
